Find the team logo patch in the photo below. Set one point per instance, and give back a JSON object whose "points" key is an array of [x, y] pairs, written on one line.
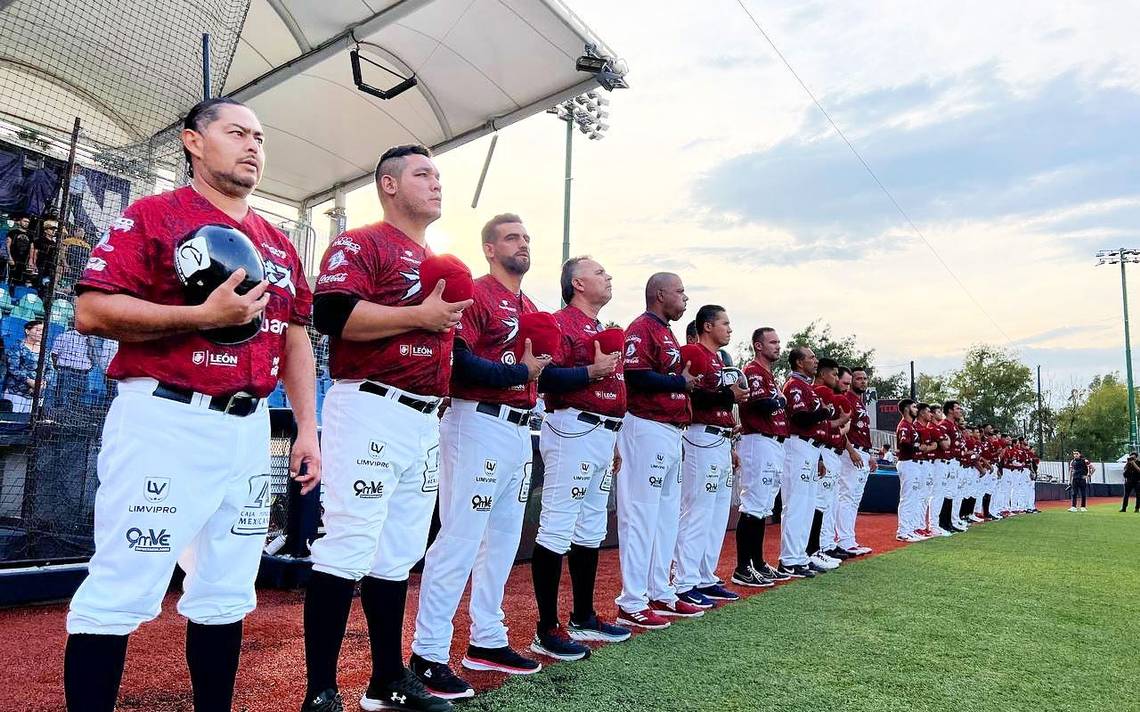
{"points": [[336, 260], [508, 358], [253, 519], [577, 492], [156, 489], [512, 324], [373, 458], [148, 541], [96, 264], [480, 503], [630, 350], [656, 481], [710, 487], [431, 470], [607, 481], [524, 486], [282, 277], [368, 489], [412, 276]]}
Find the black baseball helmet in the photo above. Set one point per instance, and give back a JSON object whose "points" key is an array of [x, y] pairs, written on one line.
{"points": [[206, 258]]}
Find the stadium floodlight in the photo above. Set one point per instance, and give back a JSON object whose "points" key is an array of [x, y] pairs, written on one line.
{"points": [[585, 113], [608, 71], [1123, 256]]}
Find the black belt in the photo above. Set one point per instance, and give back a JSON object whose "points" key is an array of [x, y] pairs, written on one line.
{"points": [[777, 438], [818, 443], [423, 406], [805, 438], [613, 424], [714, 430], [236, 404], [838, 450], [514, 415]]}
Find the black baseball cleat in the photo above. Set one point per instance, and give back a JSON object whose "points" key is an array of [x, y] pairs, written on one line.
{"points": [[439, 680], [838, 553], [502, 659], [752, 578], [796, 571], [326, 701], [771, 573], [406, 693], [815, 569]]}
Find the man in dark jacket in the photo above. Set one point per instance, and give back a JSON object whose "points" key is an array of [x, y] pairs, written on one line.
{"points": [[1131, 481]]}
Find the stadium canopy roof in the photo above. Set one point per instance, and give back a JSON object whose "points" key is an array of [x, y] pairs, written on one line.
{"points": [[480, 65]]}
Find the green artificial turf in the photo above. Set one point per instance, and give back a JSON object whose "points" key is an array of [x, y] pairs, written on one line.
{"points": [[1038, 613]]}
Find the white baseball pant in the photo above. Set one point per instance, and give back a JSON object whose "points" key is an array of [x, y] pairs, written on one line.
{"points": [[827, 494], [578, 476], [178, 483], [761, 459], [484, 484], [797, 495], [380, 478], [706, 494], [852, 481], [648, 508], [912, 489]]}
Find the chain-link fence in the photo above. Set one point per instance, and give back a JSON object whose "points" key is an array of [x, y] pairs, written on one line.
{"points": [[128, 72]]}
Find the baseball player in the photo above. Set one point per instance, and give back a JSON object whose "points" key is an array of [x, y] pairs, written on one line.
{"points": [[832, 437], [584, 393], [484, 478], [950, 502], [706, 464], [764, 429], [912, 480], [390, 345], [805, 412], [857, 464], [649, 487], [184, 464], [932, 439]]}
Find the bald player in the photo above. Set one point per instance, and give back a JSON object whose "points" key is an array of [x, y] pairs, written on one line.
{"points": [[390, 346], [577, 442], [484, 478], [649, 487], [764, 430], [805, 412], [184, 472]]}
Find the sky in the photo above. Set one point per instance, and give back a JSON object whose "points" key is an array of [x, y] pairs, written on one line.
{"points": [[1006, 131]]}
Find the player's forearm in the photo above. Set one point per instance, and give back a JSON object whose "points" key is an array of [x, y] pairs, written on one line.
{"points": [[369, 321], [126, 318], [297, 371]]}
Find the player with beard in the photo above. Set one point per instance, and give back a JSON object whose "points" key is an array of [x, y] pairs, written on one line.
{"points": [[857, 465], [484, 478], [765, 428]]}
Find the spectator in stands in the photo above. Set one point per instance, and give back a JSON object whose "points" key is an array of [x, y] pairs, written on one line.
{"points": [[19, 250], [104, 350], [1079, 470], [76, 250], [886, 456], [22, 360], [44, 252], [1131, 481], [4, 228], [72, 356]]}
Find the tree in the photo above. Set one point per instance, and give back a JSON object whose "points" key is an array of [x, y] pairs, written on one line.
{"points": [[895, 385], [995, 387], [934, 390], [1096, 424]]}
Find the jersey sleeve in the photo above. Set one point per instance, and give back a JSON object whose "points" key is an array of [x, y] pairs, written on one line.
{"points": [[347, 271], [639, 351], [471, 324], [796, 401], [123, 262], [302, 311]]}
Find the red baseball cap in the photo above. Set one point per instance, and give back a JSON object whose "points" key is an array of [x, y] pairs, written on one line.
{"points": [[459, 285], [543, 332], [611, 340]]}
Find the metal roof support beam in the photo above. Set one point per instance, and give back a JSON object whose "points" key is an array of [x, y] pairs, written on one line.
{"points": [[327, 49], [490, 126]]}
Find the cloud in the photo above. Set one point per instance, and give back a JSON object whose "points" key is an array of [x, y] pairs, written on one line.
{"points": [[1067, 143]]}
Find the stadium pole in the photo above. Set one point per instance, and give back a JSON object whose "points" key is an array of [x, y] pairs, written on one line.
{"points": [[1040, 426], [566, 193], [206, 91], [1128, 357]]}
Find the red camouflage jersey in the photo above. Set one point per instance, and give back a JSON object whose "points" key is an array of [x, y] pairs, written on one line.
{"points": [[380, 264], [604, 397], [826, 433], [137, 258], [907, 438], [860, 432], [490, 327], [719, 416], [649, 344], [928, 434], [762, 385], [949, 430], [802, 398]]}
